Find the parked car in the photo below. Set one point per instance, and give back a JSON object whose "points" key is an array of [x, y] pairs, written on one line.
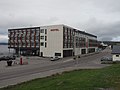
{"points": [[6, 58], [54, 58], [106, 60], [2, 58]]}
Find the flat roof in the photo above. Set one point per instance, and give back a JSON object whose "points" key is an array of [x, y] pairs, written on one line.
{"points": [[116, 49], [83, 32], [32, 27], [22, 28]]}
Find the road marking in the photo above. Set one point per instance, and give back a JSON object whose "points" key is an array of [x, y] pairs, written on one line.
{"points": [[68, 60]]}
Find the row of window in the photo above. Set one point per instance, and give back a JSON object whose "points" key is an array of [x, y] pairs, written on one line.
{"points": [[27, 38], [93, 43], [67, 37], [43, 31], [24, 44], [43, 37], [23, 32]]}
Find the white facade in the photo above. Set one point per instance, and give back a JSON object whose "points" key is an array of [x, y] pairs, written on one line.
{"points": [[53, 44], [54, 41], [116, 57]]}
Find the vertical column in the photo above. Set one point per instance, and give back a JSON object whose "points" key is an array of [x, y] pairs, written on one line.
{"points": [[86, 44], [70, 39], [21, 39], [30, 38], [67, 38], [14, 38], [10, 38], [26, 38], [35, 38]]}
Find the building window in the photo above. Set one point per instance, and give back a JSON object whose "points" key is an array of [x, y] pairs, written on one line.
{"points": [[37, 37], [117, 55], [45, 31], [45, 44], [42, 31], [42, 37], [32, 44], [42, 44], [32, 31], [37, 44], [45, 38]]}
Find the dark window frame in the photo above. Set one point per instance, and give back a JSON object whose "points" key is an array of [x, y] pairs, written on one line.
{"points": [[41, 30], [45, 38], [41, 43], [45, 44], [45, 31], [117, 55]]}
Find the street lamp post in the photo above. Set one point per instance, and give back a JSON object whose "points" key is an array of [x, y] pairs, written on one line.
{"points": [[74, 46]]}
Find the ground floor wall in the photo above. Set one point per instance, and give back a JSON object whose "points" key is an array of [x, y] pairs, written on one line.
{"points": [[67, 52], [79, 51], [116, 57], [27, 51], [51, 53]]}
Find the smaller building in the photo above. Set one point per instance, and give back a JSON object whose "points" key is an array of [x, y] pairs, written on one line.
{"points": [[116, 53]]}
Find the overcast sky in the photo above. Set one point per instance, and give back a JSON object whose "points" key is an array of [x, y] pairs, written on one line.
{"points": [[98, 17]]}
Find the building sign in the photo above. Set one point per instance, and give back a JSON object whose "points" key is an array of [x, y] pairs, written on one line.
{"points": [[54, 30]]}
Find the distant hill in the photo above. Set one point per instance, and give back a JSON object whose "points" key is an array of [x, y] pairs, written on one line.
{"points": [[3, 43]]}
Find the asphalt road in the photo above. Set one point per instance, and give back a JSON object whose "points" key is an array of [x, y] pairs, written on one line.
{"points": [[19, 74]]}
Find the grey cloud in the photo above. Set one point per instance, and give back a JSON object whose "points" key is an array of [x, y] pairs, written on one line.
{"points": [[105, 31], [108, 5], [99, 17]]}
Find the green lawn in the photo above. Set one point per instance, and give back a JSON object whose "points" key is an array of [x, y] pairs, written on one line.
{"points": [[108, 77]]}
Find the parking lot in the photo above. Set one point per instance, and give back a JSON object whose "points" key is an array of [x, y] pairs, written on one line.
{"points": [[30, 61]]}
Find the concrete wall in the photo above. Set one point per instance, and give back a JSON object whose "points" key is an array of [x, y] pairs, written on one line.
{"points": [[54, 41]]}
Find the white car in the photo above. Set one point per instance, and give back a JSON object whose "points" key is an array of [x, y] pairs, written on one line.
{"points": [[54, 58]]}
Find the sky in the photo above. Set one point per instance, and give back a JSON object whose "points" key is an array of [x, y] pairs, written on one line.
{"points": [[98, 17]]}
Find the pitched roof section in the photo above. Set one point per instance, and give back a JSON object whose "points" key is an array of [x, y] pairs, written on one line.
{"points": [[116, 49]]}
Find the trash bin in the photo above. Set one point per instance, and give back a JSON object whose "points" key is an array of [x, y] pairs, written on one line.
{"points": [[9, 62]]}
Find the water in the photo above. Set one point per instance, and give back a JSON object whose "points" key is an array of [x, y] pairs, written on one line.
{"points": [[4, 50]]}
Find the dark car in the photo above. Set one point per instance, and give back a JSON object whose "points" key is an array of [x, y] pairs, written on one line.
{"points": [[106, 59], [4, 58]]}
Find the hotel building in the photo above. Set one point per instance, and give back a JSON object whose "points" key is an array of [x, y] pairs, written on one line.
{"points": [[50, 41]]}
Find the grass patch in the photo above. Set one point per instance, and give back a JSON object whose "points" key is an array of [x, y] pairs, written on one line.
{"points": [[108, 77]]}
